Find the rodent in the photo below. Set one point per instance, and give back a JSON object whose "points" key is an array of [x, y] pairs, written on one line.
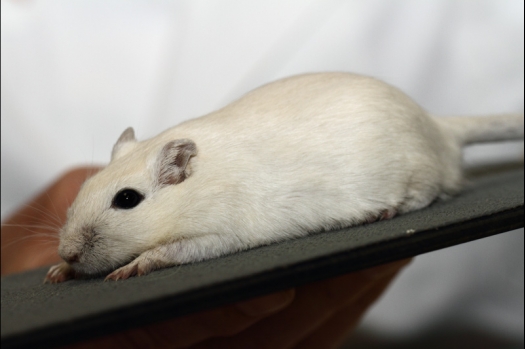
{"points": [[304, 154]]}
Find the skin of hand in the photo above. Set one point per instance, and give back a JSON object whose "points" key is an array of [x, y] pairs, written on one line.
{"points": [[317, 315]]}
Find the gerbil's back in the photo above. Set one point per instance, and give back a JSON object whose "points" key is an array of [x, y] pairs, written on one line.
{"points": [[340, 122], [308, 110]]}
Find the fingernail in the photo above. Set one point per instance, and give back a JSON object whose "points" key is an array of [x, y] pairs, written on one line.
{"points": [[266, 304]]}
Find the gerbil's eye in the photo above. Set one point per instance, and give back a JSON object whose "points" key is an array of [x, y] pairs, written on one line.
{"points": [[126, 199]]}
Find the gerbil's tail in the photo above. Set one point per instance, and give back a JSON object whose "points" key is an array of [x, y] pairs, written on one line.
{"points": [[492, 128]]}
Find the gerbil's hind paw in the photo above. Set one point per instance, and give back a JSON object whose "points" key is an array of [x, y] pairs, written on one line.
{"points": [[59, 273]]}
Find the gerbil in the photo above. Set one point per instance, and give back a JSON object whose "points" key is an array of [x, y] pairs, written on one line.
{"points": [[304, 154]]}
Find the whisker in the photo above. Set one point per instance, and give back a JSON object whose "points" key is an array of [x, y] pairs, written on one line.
{"points": [[54, 208], [42, 210], [45, 227], [31, 233], [32, 217], [36, 239]]}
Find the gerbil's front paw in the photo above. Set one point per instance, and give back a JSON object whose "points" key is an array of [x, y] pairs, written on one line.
{"points": [[59, 273], [159, 257], [138, 267], [385, 214]]}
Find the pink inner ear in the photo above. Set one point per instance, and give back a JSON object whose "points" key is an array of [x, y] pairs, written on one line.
{"points": [[169, 177], [173, 161]]}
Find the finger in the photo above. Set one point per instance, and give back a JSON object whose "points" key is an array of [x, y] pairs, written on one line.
{"points": [[30, 235], [195, 328], [333, 332], [313, 305]]}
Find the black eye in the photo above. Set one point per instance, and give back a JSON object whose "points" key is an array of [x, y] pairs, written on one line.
{"points": [[126, 199]]}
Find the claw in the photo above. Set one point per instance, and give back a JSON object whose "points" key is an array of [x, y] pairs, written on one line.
{"points": [[385, 214], [59, 273], [123, 273]]}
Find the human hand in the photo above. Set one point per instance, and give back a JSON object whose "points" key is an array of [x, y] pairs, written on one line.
{"points": [[317, 315]]}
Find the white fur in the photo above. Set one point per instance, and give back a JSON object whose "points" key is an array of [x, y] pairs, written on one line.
{"points": [[308, 153]]}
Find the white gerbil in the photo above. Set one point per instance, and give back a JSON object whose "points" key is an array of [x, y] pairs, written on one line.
{"points": [[304, 154]]}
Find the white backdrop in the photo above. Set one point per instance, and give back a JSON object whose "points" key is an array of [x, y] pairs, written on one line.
{"points": [[75, 74]]}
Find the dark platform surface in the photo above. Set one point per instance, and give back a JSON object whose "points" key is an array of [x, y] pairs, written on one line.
{"points": [[41, 315]]}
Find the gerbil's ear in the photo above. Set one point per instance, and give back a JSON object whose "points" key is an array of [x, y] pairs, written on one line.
{"points": [[172, 164], [127, 136]]}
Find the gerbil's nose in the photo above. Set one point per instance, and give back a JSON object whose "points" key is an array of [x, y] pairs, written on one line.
{"points": [[71, 257]]}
